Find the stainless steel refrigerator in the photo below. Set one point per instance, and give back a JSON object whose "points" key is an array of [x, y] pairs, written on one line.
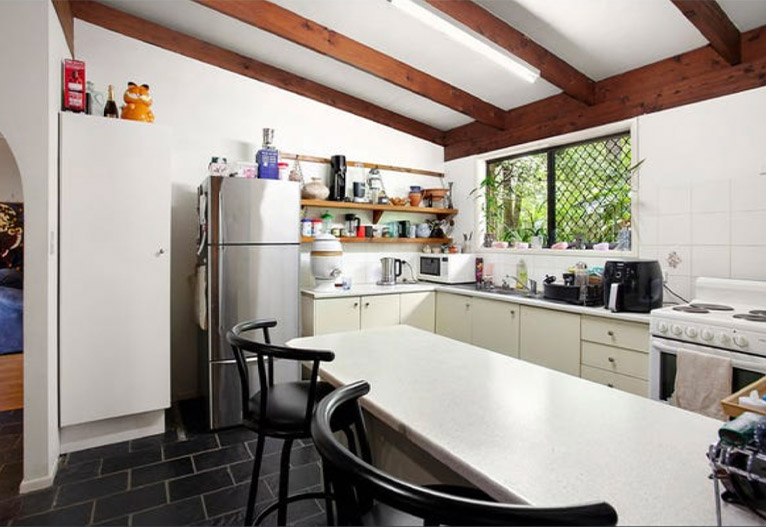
{"points": [[249, 244]]}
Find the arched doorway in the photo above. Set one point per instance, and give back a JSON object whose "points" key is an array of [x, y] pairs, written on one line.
{"points": [[11, 283]]}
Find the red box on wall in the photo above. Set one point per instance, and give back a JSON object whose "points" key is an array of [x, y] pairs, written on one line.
{"points": [[74, 85]]}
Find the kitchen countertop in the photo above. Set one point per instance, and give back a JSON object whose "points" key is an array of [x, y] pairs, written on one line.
{"points": [[526, 433], [469, 290]]}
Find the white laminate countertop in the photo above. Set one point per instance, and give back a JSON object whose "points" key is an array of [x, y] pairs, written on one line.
{"points": [[526, 433], [374, 289]]}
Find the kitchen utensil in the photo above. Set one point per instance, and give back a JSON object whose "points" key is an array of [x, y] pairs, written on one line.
{"points": [[359, 188], [377, 190], [399, 202], [404, 228], [415, 197], [423, 230], [326, 261], [337, 178], [369, 231], [315, 189], [391, 269], [360, 231], [352, 224]]}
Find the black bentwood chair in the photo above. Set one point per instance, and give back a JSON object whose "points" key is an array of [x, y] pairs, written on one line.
{"points": [[362, 492], [281, 410]]}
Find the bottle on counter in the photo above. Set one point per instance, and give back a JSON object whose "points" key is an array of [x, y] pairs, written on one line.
{"points": [[267, 158], [521, 274], [110, 108]]}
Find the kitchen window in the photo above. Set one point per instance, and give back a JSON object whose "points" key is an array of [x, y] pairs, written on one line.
{"points": [[578, 193]]}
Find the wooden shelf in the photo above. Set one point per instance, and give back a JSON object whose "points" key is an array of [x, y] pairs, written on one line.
{"points": [[326, 161], [377, 210], [308, 239]]}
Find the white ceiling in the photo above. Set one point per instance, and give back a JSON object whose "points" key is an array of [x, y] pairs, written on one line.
{"points": [[601, 38]]}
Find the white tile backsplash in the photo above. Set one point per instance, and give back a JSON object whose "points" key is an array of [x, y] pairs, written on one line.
{"points": [[675, 229], [675, 200], [683, 267], [713, 261], [711, 196], [748, 263], [748, 193], [748, 228], [711, 228]]}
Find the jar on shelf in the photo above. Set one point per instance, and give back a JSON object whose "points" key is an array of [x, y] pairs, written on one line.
{"points": [[306, 228], [315, 189]]}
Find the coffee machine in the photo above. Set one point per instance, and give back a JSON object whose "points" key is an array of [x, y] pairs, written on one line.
{"points": [[337, 178]]}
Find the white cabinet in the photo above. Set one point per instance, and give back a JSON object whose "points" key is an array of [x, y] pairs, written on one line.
{"points": [[332, 315], [453, 316], [495, 326], [550, 338], [379, 311], [114, 271], [418, 310]]}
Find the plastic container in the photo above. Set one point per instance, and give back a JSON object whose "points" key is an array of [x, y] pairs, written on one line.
{"points": [[284, 170], [521, 274]]}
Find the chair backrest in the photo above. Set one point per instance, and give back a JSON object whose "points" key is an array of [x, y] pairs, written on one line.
{"points": [[436, 507], [266, 353]]}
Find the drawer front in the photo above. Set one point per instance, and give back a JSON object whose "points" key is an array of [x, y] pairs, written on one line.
{"points": [[616, 333], [617, 360], [615, 380]]}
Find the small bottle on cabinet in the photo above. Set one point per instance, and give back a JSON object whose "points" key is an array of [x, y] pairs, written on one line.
{"points": [[110, 108]]}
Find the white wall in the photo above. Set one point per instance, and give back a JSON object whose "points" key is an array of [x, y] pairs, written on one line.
{"points": [[32, 46], [217, 113], [10, 179], [700, 192]]}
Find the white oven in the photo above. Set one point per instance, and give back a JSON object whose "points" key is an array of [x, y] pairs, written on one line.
{"points": [[447, 268], [746, 368]]}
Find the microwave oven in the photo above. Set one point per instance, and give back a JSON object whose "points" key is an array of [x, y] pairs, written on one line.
{"points": [[447, 268]]}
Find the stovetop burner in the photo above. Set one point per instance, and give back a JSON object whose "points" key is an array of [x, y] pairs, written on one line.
{"points": [[691, 309], [712, 307], [751, 317], [758, 312]]}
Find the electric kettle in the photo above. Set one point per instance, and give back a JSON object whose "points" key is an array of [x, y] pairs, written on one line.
{"points": [[391, 269]]}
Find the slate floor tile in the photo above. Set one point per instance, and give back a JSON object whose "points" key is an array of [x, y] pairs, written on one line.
{"points": [[12, 428], [272, 446], [230, 518], [116, 449], [27, 504], [312, 521], [160, 471], [234, 498], [75, 515], [243, 471], [183, 512], [191, 446], [9, 441], [303, 456], [124, 503], [91, 488], [134, 459], [223, 456], [300, 478], [199, 483], [157, 440], [296, 511], [78, 472], [115, 522], [236, 435]]}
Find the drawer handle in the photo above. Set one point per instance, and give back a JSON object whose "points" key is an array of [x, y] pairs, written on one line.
{"points": [[610, 333], [610, 359], [610, 385]]}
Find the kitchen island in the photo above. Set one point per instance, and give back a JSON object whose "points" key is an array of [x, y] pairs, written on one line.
{"points": [[524, 433]]}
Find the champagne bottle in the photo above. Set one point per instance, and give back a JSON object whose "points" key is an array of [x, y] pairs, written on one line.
{"points": [[110, 109]]}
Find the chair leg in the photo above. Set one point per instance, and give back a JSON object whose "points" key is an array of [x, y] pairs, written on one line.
{"points": [[328, 502], [284, 481], [254, 479]]}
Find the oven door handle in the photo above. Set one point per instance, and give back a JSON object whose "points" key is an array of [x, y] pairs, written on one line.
{"points": [[754, 364]]}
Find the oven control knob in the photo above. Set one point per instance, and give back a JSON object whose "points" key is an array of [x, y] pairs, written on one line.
{"points": [[663, 327], [691, 332], [741, 341], [707, 334], [677, 330], [723, 339]]}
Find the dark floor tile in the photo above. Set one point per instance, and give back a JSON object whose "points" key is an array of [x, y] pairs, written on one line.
{"points": [[12, 455], [78, 472], [223, 456], [171, 436], [127, 502], [160, 471], [9, 509], [272, 446], [192, 446], [115, 522], [296, 511], [134, 459], [30, 503], [12, 416], [9, 441], [233, 498], [225, 520], [243, 471], [76, 515], [300, 478], [239, 434], [178, 513], [116, 449], [312, 521], [303, 456], [12, 428], [8, 489], [91, 488], [199, 483], [12, 471]]}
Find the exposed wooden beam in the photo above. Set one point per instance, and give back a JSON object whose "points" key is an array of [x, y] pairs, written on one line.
{"points": [[302, 31], [692, 77], [552, 68], [64, 13], [194, 48], [711, 20]]}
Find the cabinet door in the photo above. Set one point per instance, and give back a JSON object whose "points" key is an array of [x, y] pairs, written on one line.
{"points": [[380, 311], [453, 316], [551, 339], [333, 315], [495, 326], [418, 310]]}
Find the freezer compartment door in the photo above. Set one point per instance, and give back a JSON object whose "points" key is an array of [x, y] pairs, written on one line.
{"points": [[258, 211], [256, 282], [225, 401]]}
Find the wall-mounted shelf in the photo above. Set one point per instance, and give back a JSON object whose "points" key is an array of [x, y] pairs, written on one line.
{"points": [[308, 239], [326, 161], [377, 210]]}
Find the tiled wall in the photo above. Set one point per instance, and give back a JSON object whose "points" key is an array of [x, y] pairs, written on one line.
{"points": [[362, 261]]}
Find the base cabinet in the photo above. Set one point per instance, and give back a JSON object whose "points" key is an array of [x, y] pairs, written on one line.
{"points": [[418, 310], [551, 339], [332, 315], [495, 326], [379, 311], [453, 316]]}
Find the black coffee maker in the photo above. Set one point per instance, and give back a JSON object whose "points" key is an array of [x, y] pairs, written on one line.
{"points": [[337, 178]]}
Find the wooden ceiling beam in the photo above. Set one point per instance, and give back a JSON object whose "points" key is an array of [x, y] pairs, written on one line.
{"points": [[288, 25], [688, 78], [553, 69], [64, 14], [171, 40], [714, 24]]}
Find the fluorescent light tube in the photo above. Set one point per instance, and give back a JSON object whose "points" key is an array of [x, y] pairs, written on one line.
{"points": [[508, 62]]}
